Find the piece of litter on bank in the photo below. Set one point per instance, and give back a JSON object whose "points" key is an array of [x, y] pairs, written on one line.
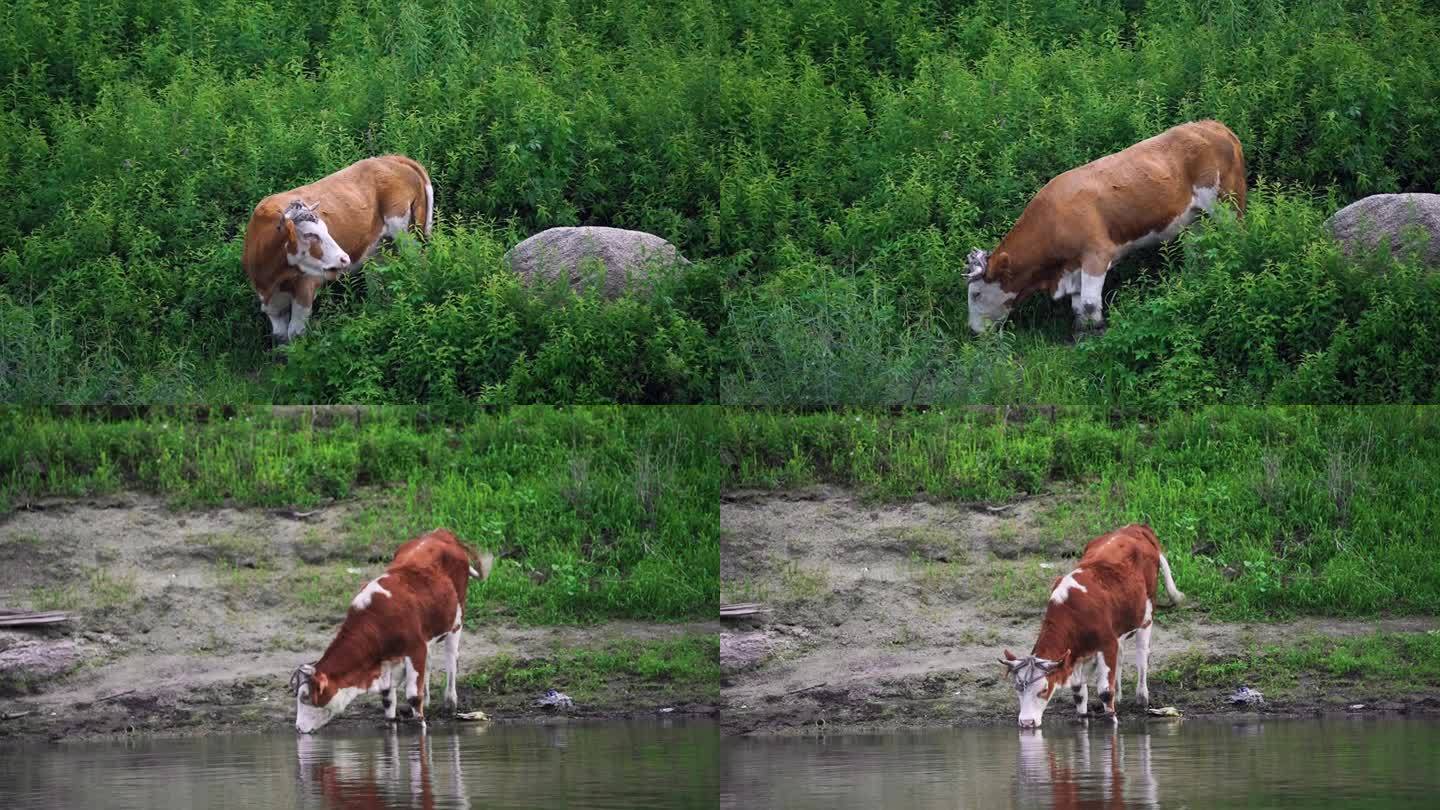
{"points": [[1246, 696], [1355, 707], [354, 570], [555, 700], [667, 710], [1164, 711], [1047, 565], [475, 715]]}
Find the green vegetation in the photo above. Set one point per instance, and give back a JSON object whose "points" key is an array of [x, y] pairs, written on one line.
{"points": [[595, 513], [1382, 663], [687, 667], [98, 591], [1263, 512], [826, 164]]}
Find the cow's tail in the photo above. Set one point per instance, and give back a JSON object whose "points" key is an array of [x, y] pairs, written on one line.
{"points": [[421, 215], [486, 562], [1176, 597]]}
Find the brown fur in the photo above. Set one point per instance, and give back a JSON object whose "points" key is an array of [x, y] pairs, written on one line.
{"points": [[427, 580], [1082, 217], [353, 202], [1119, 571]]}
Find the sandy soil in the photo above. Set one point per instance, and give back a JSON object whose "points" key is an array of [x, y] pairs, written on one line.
{"points": [[192, 621], [883, 616]]}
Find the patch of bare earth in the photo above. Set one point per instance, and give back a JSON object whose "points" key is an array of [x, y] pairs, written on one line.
{"points": [[894, 615], [193, 621]]}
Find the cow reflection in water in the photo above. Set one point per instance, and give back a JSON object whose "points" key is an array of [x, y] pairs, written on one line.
{"points": [[1085, 770], [351, 773]]}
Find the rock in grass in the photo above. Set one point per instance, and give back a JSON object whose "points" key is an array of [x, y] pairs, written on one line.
{"points": [[621, 261], [1385, 219]]}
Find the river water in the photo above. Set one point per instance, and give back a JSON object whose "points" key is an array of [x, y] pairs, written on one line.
{"points": [[1342, 762], [603, 765]]}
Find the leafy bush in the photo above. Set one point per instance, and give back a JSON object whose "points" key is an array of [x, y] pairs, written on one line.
{"points": [[1271, 311]]}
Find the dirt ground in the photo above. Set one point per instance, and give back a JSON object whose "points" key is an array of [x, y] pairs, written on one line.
{"points": [[193, 621], [888, 616]]}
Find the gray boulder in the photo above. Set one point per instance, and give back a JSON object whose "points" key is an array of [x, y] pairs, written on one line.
{"points": [[28, 666], [625, 260], [1364, 225]]}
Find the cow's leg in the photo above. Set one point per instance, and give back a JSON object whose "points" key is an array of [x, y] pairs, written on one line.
{"points": [[1080, 691], [300, 309], [277, 309], [452, 666], [1105, 675], [415, 683], [1087, 302], [1142, 666], [393, 675], [1119, 659]]}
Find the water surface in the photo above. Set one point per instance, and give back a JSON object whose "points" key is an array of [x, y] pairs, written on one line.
{"points": [[669, 764], [1341, 762]]}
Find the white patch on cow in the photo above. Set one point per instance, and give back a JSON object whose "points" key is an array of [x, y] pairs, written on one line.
{"points": [[332, 256], [1065, 586], [474, 573], [1149, 611], [989, 304], [362, 599], [395, 225], [1069, 284]]}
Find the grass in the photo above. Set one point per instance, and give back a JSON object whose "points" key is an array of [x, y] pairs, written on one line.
{"points": [[594, 513], [97, 592], [826, 165], [1264, 513], [1382, 664], [685, 667]]}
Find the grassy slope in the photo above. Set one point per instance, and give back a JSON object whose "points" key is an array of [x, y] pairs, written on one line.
{"points": [[828, 165], [1264, 513], [598, 513]]}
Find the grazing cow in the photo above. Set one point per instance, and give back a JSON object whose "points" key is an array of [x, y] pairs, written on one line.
{"points": [[1109, 597], [1087, 219], [386, 637], [299, 239]]}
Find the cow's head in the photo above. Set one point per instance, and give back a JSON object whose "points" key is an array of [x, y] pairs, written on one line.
{"points": [[317, 700], [988, 301], [308, 244], [1035, 680]]}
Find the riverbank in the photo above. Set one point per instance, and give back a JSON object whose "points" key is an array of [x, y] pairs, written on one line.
{"points": [[190, 621], [893, 615]]}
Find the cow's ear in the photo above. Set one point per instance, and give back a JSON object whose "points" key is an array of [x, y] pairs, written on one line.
{"points": [[292, 239], [1000, 262], [321, 681]]}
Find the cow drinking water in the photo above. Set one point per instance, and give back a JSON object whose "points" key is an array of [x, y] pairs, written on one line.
{"points": [[1108, 598], [1087, 219], [299, 239], [384, 643]]}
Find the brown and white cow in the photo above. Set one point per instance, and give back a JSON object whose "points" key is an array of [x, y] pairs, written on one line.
{"points": [[299, 239], [1108, 598], [1087, 219], [385, 640]]}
